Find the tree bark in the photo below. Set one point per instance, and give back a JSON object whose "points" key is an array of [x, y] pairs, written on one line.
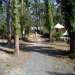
{"points": [[17, 44], [66, 10], [22, 18], [8, 23], [16, 25], [72, 42], [49, 18]]}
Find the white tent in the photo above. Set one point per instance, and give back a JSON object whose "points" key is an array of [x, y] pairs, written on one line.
{"points": [[58, 26], [66, 33]]}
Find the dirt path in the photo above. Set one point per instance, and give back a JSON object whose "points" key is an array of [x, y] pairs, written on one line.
{"points": [[43, 60]]}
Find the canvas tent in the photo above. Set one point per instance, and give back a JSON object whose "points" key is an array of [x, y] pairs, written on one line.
{"points": [[66, 33]]}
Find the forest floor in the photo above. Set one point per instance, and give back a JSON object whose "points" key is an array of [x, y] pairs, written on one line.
{"points": [[38, 57]]}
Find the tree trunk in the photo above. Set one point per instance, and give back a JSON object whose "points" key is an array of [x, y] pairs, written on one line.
{"points": [[16, 25], [22, 18], [72, 42], [17, 44], [66, 10], [49, 18], [52, 22], [9, 23]]}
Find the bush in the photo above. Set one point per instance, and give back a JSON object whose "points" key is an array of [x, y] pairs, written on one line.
{"points": [[57, 35]]}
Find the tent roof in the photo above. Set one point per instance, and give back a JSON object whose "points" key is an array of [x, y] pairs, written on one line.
{"points": [[58, 26]]}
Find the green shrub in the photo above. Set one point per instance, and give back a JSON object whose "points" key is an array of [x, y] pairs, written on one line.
{"points": [[57, 35]]}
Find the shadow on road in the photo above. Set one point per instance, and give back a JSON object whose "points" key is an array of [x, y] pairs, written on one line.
{"points": [[57, 73], [6, 48], [50, 51]]}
